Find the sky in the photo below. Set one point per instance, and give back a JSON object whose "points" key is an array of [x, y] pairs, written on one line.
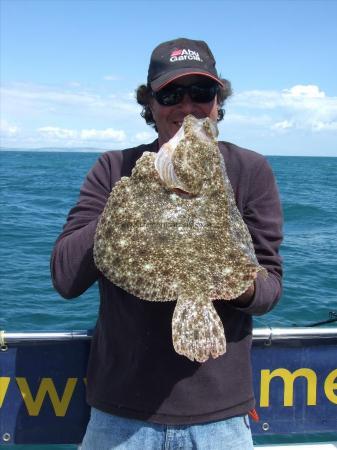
{"points": [[69, 70]]}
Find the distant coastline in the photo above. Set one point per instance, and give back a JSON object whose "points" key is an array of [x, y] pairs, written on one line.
{"points": [[102, 150], [55, 149]]}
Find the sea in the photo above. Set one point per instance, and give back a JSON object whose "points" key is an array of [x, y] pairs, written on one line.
{"points": [[39, 187]]}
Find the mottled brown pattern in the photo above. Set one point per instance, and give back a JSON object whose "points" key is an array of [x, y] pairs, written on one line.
{"points": [[161, 244]]}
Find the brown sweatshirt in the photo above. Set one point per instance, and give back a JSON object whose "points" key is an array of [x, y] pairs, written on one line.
{"points": [[133, 370]]}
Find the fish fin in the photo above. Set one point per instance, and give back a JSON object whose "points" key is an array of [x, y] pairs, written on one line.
{"points": [[197, 331]]}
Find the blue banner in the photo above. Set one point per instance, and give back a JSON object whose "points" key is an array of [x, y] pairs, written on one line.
{"points": [[296, 388], [42, 390]]}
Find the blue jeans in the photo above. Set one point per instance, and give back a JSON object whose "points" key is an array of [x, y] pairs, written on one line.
{"points": [[107, 432]]}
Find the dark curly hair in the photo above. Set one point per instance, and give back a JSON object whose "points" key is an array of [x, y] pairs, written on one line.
{"points": [[144, 94]]}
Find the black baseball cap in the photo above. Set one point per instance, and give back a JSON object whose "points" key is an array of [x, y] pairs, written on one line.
{"points": [[174, 59]]}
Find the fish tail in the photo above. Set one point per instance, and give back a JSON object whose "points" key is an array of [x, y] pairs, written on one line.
{"points": [[197, 331]]}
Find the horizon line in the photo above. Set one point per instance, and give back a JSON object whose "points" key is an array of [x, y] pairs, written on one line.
{"points": [[102, 150]]}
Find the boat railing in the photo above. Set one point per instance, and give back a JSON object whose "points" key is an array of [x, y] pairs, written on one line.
{"points": [[265, 335]]}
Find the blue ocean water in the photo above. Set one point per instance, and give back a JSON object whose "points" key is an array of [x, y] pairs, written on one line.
{"points": [[39, 188]]}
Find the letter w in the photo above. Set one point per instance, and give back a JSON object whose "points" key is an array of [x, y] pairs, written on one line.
{"points": [[4, 383], [46, 386]]}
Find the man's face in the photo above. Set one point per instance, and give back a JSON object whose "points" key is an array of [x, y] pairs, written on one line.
{"points": [[170, 118]]}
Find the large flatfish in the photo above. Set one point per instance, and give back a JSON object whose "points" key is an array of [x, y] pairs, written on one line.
{"points": [[172, 232]]}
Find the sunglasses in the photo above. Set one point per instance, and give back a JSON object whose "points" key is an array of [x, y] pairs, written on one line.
{"points": [[198, 93]]}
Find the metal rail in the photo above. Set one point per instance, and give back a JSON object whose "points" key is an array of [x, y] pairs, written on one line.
{"points": [[36, 336], [296, 333], [259, 334]]}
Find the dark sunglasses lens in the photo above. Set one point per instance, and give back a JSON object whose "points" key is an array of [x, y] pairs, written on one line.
{"points": [[202, 94], [199, 93], [170, 96]]}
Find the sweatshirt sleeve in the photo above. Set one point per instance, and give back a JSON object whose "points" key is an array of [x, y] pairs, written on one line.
{"points": [[263, 215], [72, 265]]}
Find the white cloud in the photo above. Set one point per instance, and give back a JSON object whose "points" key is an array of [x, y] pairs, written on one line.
{"points": [[58, 133], [321, 126], [303, 107], [131, 96], [303, 96], [256, 99], [108, 134], [49, 95], [20, 99], [242, 119], [68, 115], [82, 135], [305, 91], [7, 129], [284, 125], [145, 136]]}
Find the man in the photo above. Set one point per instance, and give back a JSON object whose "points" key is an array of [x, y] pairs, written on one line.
{"points": [[142, 393]]}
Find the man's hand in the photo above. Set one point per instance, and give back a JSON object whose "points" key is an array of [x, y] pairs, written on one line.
{"points": [[245, 298]]}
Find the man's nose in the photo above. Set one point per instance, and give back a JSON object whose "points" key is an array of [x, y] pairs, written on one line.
{"points": [[187, 105]]}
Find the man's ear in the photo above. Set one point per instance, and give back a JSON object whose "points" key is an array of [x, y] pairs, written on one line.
{"points": [[150, 104]]}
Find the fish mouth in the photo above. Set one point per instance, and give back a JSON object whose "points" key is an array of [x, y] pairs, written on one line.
{"points": [[179, 121]]}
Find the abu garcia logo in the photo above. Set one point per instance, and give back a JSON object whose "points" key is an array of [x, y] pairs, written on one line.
{"points": [[183, 54]]}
